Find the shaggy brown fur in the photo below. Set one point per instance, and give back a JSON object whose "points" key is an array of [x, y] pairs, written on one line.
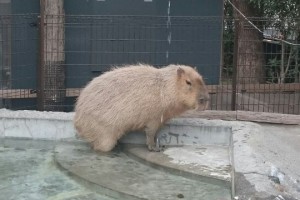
{"points": [[138, 97]]}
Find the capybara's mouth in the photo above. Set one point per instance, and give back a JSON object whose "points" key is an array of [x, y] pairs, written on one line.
{"points": [[203, 105], [206, 105], [196, 106]]}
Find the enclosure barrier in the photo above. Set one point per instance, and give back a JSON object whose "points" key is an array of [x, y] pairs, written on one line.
{"points": [[246, 67]]}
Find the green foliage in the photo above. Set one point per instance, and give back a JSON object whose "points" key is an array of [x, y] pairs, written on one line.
{"points": [[283, 19], [228, 38], [286, 14], [278, 8], [272, 69], [290, 63]]}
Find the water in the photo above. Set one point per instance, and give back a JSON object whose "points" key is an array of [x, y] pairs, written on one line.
{"points": [[36, 170]]}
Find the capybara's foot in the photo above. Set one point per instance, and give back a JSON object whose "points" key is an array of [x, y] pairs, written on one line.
{"points": [[154, 148]]}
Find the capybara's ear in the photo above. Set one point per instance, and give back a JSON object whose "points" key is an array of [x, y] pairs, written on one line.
{"points": [[180, 71]]}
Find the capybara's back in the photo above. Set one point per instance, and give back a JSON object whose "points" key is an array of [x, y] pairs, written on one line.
{"points": [[138, 97]]}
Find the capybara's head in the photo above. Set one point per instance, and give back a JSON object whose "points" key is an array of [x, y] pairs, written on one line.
{"points": [[192, 91]]}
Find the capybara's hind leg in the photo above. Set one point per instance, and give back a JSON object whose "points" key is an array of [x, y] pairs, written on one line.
{"points": [[104, 144]]}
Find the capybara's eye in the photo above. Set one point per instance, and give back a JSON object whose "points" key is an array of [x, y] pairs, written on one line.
{"points": [[188, 82]]}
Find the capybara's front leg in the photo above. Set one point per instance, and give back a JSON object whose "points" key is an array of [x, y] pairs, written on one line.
{"points": [[151, 131], [151, 144]]}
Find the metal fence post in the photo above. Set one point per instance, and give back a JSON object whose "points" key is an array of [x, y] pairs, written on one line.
{"points": [[40, 66], [234, 70]]}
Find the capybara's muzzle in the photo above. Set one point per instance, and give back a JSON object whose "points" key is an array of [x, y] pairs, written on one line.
{"points": [[203, 102]]}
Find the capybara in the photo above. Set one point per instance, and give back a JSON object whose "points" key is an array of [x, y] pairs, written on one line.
{"points": [[136, 97]]}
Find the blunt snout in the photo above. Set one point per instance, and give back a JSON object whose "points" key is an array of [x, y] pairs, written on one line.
{"points": [[204, 98], [203, 101]]}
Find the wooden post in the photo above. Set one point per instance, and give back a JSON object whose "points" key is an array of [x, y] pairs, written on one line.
{"points": [[51, 69]]}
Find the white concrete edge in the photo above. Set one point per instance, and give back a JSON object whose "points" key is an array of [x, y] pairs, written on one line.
{"points": [[32, 114], [59, 125]]}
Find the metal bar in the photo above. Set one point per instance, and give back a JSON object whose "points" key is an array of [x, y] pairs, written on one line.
{"points": [[40, 67], [234, 70]]}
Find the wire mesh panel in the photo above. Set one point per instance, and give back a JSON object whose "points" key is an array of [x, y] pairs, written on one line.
{"points": [[51, 91], [96, 43], [18, 61], [267, 66], [105, 41], [248, 64]]}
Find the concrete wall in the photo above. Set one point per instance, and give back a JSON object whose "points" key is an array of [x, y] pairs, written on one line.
{"points": [[59, 126], [36, 125]]}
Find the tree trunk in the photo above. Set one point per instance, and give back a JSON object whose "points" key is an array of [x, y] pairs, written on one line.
{"points": [[297, 67], [53, 57], [250, 53], [281, 73], [297, 64]]}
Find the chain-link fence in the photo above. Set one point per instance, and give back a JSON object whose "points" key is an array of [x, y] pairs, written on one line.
{"points": [[248, 64]]}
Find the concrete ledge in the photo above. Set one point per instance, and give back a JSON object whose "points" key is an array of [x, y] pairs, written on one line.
{"points": [[185, 131], [206, 163], [265, 117], [32, 114], [36, 125], [59, 126]]}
